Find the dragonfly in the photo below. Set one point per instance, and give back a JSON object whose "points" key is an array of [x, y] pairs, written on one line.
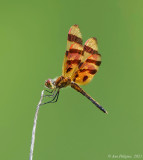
{"points": [[81, 63]]}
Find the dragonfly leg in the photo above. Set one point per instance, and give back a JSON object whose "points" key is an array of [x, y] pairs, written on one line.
{"points": [[53, 91], [54, 99], [49, 91]]}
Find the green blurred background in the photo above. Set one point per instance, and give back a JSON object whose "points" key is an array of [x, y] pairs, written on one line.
{"points": [[33, 38]]}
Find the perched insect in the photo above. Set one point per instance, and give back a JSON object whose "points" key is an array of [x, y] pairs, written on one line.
{"points": [[79, 66]]}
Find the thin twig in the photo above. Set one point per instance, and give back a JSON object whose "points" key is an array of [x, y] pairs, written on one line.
{"points": [[34, 127]]}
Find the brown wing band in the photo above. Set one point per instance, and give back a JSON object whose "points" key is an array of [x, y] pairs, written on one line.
{"points": [[76, 51], [68, 70], [93, 61], [67, 53], [74, 38], [93, 71], [75, 61], [90, 50]]}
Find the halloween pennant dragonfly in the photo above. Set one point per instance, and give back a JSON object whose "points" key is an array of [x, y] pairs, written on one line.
{"points": [[79, 66]]}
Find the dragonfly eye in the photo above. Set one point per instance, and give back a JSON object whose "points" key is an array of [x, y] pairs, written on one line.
{"points": [[49, 84]]}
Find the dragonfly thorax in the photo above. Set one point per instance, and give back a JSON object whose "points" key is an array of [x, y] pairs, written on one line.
{"points": [[59, 82], [62, 82]]}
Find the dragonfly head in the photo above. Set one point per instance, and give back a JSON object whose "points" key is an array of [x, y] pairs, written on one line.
{"points": [[50, 84]]}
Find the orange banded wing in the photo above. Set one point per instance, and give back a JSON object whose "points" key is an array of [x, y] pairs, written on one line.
{"points": [[90, 48], [73, 59], [90, 63], [74, 37]]}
